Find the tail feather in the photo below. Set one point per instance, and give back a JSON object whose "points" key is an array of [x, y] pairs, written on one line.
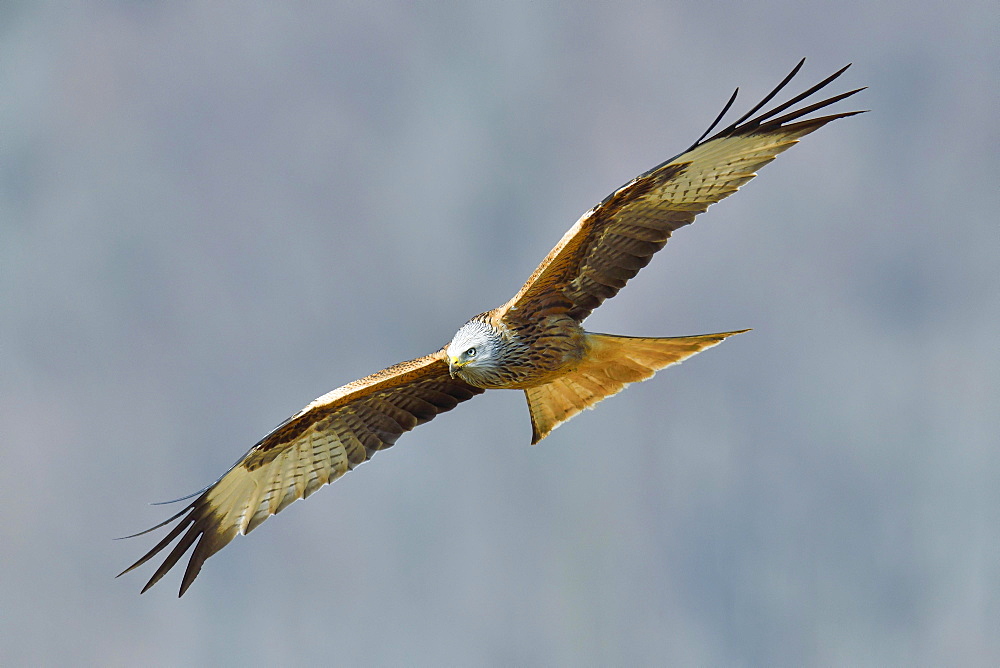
{"points": [[611, 363]]}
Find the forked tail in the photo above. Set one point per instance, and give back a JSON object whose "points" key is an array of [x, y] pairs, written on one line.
{"points": [[611, 363]]}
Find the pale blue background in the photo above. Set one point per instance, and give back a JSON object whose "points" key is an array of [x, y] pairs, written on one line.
{"points": [[211, 213]]}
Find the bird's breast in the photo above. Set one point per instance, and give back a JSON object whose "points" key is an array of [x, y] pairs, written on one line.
{"points": [[537, 352]]}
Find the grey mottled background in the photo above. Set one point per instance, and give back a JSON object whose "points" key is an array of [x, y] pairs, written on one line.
{"points": [[211, 213]]}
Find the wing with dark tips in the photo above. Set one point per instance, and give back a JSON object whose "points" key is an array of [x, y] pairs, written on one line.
{"points": [[326, 439], [618, 237]]}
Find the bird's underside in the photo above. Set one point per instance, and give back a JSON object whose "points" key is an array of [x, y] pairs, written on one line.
{"points": [[534, 342]]}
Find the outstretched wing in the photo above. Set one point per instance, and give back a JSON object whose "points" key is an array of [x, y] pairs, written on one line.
{"points": [[316, 446], [618, 237]]}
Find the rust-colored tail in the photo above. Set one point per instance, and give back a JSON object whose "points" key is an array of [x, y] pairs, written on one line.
{"points": [[611, 363]]}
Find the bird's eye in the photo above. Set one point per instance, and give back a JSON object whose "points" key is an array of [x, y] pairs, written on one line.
{"points": [[471, 352]]}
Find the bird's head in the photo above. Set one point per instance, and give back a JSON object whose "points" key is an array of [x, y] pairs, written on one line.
{"points": [[474, 353]]}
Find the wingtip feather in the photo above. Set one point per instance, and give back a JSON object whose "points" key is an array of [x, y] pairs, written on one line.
{"points": [[766, 121]]}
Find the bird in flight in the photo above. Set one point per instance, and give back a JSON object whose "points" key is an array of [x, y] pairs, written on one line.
{"points": [[534, 342]]}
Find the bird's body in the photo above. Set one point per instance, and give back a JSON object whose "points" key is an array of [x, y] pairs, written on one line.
{"points": [[535, 342], [513, 354]]}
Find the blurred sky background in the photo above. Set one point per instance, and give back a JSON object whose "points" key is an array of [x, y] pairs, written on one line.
{"points": [[213, 212]]}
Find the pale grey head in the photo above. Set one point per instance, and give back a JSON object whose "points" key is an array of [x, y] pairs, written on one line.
{"points": [[475, 354]]}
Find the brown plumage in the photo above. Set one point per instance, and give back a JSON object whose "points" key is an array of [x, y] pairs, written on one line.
{"points": [[534, 342]]}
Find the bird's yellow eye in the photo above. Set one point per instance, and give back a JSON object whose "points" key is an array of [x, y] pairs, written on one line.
{"points": [[471, 352]]}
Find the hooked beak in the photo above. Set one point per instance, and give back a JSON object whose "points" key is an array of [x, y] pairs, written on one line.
{"points": [[454, 364]]}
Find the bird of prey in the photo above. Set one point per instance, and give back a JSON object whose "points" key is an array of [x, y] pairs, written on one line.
{"points": [[534, 342]]}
